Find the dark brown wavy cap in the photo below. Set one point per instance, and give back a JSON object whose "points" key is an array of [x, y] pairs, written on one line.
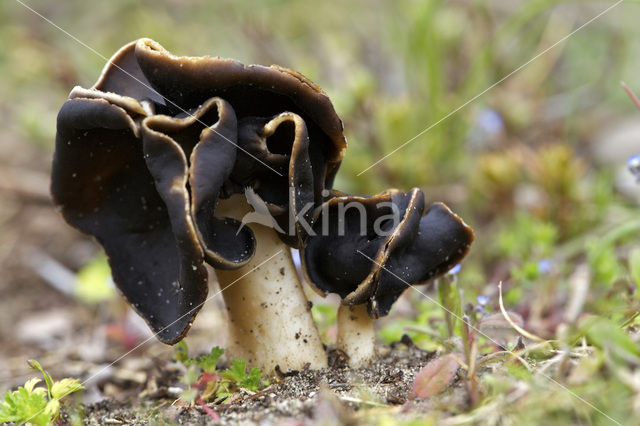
{"points": [[102, 186], [253, 91], [283, 118], [422, 245], [144, 70], [123, 175]]}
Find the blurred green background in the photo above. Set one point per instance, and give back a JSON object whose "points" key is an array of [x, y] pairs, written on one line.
{"points": [[536, 164], [519, 154], [391, 68]]}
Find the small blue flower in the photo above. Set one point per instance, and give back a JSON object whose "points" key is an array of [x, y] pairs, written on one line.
{"points": [[634, 166], [482, 300], [455, 270], [544, 266], [490, 121], [486, 129]]}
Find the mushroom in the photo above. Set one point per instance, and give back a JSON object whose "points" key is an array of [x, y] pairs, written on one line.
{"points": [[372, 249], [150, 161]]}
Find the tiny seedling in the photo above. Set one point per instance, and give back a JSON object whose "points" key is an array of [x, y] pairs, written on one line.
{"points": [[238, 374], [206, 383], [207, 362], [37, 405], [450, 301]]}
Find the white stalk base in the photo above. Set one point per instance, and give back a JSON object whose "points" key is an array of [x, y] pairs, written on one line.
{"points": [[356, 335], [270, 321]]}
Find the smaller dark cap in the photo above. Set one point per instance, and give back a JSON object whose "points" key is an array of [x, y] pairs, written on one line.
{"points": [[408, 246]]}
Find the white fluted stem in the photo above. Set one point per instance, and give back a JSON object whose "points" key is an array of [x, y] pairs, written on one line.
{"points": [[356, 335], [270, 320]]}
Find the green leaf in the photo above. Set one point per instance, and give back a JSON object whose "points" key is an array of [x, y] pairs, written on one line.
{"points": [[52, 409], [25, 405], [35, 404], [606, 334], [252, 381], [64, 387], [634, 265], [191, 375], [209, 362], [30, 384], [237, 372], [189, 395], [206, 362]]}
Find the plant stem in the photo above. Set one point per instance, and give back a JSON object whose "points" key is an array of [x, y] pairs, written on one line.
{"points": [[356, 334], [270, 321]]}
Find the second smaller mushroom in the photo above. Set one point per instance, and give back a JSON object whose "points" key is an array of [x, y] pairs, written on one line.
{"points": [[370, 249]]}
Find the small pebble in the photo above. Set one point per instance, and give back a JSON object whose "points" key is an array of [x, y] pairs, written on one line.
{"points": [[174, 391]]}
